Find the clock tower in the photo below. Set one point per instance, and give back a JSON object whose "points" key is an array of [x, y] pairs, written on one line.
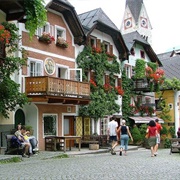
{"points": [[136, 19]]}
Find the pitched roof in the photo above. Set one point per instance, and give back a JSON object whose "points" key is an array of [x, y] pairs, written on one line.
{"points": [[135, 7], [71, 17], [171, 64], [88, 19], [134, 37], [97, 19]]}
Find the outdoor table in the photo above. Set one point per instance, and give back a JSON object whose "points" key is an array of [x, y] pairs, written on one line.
{"points": [[54, 140]]}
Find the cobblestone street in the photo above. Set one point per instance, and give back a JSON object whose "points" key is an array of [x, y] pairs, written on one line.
{"points": [[137, 165]]}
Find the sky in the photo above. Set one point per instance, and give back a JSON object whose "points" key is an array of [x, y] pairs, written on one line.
{"points": [[163, 14]]}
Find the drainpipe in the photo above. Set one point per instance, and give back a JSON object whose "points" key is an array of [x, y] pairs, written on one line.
{"points": [[176, 110]]}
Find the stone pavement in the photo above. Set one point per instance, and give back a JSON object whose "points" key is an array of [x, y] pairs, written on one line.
{"points": [[74, 151], [137, 165]]}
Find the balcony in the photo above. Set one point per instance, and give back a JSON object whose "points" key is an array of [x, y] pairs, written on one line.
{"points": [[142, 85], [56, 90]]}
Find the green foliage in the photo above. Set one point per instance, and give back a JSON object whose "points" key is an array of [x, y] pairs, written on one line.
{"points": [[164, 130], [140, 69], [102, 102], [152, 65], [61, 156], [126, 99], [35, 15], [173, 84], [136, 134], [11, 160], [172, 131], [167, 143], [143, 129], [10, 96]]}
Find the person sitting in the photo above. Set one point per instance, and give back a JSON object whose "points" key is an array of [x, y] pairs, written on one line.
{"points": [[30, 139], [25, 144]]}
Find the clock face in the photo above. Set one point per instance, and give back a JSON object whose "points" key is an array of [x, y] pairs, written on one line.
{"points": [[128, 23], [144, 22]]}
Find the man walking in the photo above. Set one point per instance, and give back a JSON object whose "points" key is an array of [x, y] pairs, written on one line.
{"points": [[112, 134], [158, 139]]}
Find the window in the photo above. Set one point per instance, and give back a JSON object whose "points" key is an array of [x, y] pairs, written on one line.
{"points": [[132, 51], [142, 54], [35, 68], [46, 28], [60, 32], [92, 41], [128, 70], [104, 126], [50, 125], [106, 46], [157, 103], [147, 100]]}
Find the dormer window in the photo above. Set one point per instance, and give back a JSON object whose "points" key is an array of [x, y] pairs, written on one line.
{"points": [[142, 54], [106, 47], [132, 51]]}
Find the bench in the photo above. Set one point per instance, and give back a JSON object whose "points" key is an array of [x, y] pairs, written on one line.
{"points": [[13, 147], [175, 145], [94, 139]]}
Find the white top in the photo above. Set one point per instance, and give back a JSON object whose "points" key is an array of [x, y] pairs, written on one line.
{"points": [[112, 125]]}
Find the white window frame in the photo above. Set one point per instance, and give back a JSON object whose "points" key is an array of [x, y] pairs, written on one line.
{"points": [[36, 62], [58, 28], [56, 128], [75, 69], [63, 67], [46, 28]]}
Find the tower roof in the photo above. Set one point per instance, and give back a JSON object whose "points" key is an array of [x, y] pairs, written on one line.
{"points": [[135, 7]]}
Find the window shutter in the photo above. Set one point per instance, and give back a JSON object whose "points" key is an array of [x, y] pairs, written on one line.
{"points": [[111, 49], [98, 45], [106, 79], [120, 82], [92, 76]]}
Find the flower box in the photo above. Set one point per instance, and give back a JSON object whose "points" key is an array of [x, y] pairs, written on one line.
{"points": [[46, 38], [61, 42]]}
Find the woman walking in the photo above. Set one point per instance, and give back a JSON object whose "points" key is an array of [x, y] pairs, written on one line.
{"points": [[152, 133], [124, 137]]}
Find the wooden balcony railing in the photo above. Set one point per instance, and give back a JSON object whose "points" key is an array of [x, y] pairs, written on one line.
{"points": [[141, 85], [56, 88]]}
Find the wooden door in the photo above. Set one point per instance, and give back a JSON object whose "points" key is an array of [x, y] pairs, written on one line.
{"points": [[69, 128]]}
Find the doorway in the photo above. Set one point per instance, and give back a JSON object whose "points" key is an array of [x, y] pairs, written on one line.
{"points": [[19, 118], [69, 128]]}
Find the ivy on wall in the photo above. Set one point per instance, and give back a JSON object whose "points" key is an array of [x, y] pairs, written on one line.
{"points": [[102, 96]]}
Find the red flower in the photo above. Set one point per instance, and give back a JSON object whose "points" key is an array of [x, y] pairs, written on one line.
{"points": [[119, 90], [4, 34], [92, 82]]}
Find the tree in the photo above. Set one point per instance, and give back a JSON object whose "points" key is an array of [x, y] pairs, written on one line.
{"points": [[10, 96]]}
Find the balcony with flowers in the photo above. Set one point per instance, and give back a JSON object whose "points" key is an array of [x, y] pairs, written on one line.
{"points": [[46, 38], [148, 76], [61, 42], [142, 110]]}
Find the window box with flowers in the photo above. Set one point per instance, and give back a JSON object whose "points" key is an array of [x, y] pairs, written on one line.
{"points": [[107, 87], [96, 50], [119, 90], [110, 56], [46, 38], [61, 42]]}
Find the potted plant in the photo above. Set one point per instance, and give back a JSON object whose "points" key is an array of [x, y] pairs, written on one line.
{"points": [[61, 42], [46, 37]]}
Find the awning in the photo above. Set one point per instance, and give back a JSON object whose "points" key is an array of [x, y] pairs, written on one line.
{"points": [[139, 119]]}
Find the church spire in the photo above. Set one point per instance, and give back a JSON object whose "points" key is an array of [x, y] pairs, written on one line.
{"points": [[136, 19]]}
